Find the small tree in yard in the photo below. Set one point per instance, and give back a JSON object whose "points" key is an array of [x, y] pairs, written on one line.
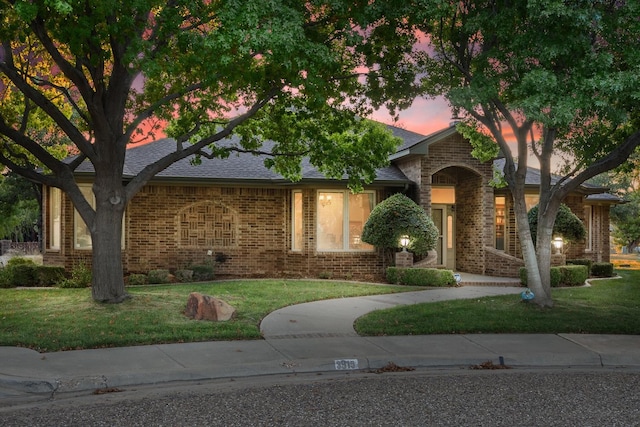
{"points": [[98, 75], [398, 216]]}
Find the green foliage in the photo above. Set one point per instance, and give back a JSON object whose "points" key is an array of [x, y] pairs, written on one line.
{"points": [[420, 276], [397, 216], [137, 279], [5, 279], [81, 277], [17, 260], [19, 208], [25, 274], [586, 262], [602, 269], [567, 275], [202, 272], [158, 276], [49, 275], [567, 224], [184, 275]]}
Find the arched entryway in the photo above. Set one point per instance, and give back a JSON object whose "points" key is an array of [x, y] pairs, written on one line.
{"points": [[458, 210]]}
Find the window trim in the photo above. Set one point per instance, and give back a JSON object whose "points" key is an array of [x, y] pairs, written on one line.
{"points": [[54, 239], [588, 216], [294, 223]]}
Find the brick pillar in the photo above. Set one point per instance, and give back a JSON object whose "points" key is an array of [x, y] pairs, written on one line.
{"points": [[404, 259]]}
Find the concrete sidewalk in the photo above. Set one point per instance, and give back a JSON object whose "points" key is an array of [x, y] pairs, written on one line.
{"points": [[314, 337]]}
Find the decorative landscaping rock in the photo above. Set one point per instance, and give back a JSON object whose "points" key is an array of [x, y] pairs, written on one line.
{"points": [[205, 307]]}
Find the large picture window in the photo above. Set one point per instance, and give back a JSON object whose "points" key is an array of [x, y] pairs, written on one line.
{"points": [[341, 219]]}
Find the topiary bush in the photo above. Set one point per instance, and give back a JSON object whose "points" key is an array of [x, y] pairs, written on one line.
{"points": [[567, 224], [602, 269], [397, 216], [420, 276]]}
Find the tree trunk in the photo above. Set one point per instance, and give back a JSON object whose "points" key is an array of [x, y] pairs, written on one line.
{"points": [[537, 280], [106, 236]]}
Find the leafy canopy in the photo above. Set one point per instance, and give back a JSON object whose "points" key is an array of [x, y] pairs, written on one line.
{"points": [[398, 216]]}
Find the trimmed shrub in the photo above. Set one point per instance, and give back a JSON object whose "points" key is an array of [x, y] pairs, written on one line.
{"points": [[23, 274], [602, 269], [420, 276], [19, 261], [567, 275], [158, 276], [202, 272], [397, 216], [573, 275], [49, 275], [184, 275], [137, 279], [5, 279], [586, 262], [567, 224]]}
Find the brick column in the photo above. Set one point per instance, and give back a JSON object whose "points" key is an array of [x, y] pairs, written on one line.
{"points": [[404, 259]]}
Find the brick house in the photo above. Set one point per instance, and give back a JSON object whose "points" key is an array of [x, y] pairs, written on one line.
{"points": [[253, 222]]}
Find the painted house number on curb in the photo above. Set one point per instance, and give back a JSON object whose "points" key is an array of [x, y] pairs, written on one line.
{"points": [[346, 364]]}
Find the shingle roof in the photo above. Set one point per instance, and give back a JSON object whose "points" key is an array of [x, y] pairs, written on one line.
{"points": [[244, 167]]}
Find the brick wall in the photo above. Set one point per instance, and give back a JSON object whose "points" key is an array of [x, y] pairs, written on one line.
{"points": [[173, 227]]}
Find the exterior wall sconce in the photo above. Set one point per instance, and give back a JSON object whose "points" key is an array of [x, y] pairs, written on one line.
{"points": [[404, 242], [557, 244]]}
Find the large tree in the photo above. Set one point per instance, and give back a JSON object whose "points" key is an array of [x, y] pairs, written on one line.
{"points": [[553, 79], [99, 74]]}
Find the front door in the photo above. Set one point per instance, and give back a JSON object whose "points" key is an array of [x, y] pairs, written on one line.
{"points": [[444, 219]]}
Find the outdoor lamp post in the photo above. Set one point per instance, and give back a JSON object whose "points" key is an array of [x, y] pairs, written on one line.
{"points": [[404, 242], [557, 243]]}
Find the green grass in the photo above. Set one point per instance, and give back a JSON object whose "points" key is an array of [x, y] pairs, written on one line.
{"points": [[609, 306], [67, 319]]}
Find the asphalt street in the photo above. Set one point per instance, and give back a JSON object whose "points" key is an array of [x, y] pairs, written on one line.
{"points": [[460, 397]]}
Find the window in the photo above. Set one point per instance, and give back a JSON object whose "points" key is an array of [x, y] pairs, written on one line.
{"points": [[55, 217], [500, 205], [443, 195], [588, 224], [296, 215], [81, 234], [341, 219]]}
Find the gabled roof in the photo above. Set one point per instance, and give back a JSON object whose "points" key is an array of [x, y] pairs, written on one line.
{"points": [[415, 143], [238, 167]]}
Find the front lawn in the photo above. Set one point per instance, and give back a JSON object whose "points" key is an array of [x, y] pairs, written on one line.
{"points": [[610, 306], [66, 319]]}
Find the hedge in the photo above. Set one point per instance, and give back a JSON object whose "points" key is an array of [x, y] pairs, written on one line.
{"points": [[602, 269], [566, 275], [420, 276]]}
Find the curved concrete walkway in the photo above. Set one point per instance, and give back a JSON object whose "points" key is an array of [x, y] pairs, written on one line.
{"points": [[335, 318]]}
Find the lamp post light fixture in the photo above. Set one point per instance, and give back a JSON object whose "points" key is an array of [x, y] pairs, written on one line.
{"points": [[558, 243], [404, 242]]}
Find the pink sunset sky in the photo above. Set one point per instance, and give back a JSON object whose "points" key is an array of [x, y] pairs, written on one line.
{"points": [[425, 116]]}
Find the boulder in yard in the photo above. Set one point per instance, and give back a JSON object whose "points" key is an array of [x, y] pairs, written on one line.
{"points": [[205, 307]]}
